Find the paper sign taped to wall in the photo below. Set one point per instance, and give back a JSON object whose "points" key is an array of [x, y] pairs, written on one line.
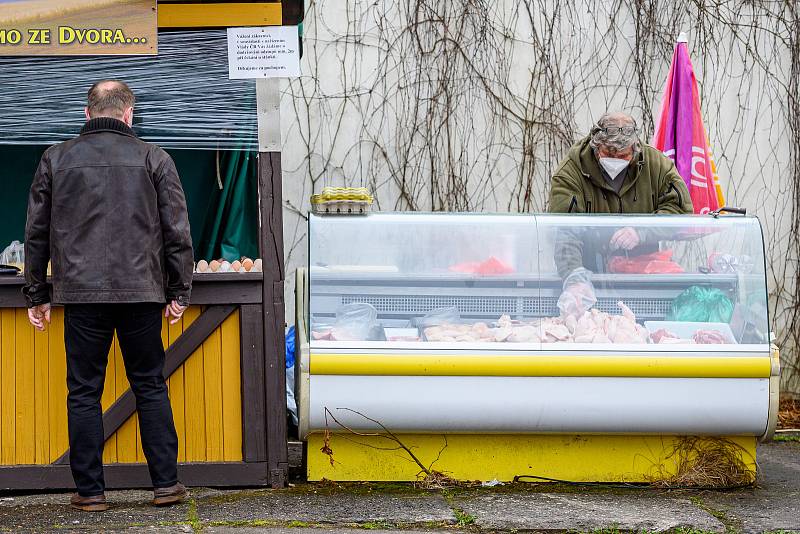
{"points": [[264, 52], [78, 27]]}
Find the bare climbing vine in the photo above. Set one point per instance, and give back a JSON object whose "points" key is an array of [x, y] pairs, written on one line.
{"points": [[470, 104]]}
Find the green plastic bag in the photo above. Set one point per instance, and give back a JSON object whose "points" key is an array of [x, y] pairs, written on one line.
{"points": [[701, 305]]}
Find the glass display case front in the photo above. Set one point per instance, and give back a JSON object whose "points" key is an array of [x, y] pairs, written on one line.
{"points": [[533, 282]]}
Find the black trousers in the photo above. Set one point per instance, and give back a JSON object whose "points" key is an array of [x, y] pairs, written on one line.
{"points": [[88, 334]]}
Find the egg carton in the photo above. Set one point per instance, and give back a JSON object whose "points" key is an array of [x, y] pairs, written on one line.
{"points": [[341, 207], [222, 266]]}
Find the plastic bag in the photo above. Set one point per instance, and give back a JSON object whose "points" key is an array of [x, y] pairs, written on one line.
{"points": [[578, 295], [701, 305], [291, 404], [13, 254], [491, 266], [440, 316], [354, 322], [656, 263]]}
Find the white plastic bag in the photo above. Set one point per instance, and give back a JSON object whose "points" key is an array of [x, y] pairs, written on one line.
{"points": [[354, 322], [14, 254], [578, 295]]}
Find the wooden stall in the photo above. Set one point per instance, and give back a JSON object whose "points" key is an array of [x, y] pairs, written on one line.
{"points": [[226, 377], [224, 360]]}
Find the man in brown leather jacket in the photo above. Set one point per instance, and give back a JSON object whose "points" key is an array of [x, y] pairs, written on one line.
{"points": [[108, 211]]}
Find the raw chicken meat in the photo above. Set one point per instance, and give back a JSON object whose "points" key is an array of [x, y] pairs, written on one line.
{"points": [[461, 332], [710, 337], [334, 334], [662, 335], [593, 326]]}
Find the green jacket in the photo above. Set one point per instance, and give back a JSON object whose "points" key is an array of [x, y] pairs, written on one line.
{"points": [[652, 185]]}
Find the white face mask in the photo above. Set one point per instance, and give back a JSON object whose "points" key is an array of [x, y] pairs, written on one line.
{"points": [[614, 166]]}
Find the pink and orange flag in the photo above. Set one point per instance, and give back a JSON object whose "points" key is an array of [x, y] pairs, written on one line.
{"points": [[680, 133]]}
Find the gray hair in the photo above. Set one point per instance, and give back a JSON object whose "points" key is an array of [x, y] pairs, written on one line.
{"points": [[110, 98], [617, 142]]}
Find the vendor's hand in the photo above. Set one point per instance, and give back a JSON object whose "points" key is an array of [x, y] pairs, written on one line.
{"points": [[577, 299], [625, 238], [175, 310], [38, 315]]}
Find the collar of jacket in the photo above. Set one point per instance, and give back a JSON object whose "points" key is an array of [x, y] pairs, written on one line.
{"points": [[590, 168], [106, 124]]}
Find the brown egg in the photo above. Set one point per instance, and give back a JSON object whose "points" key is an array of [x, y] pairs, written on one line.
{"points": [[214, 265], [247, 264], [202, 266], [236, 266], [257, 265]]}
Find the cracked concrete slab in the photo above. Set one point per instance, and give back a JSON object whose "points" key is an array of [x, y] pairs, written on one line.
{"points": [[52, 512], [322, 530], [394, 509], [772, 506], [634, 511]]}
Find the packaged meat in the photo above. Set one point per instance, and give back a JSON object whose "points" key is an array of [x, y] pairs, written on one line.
{"points": [[401, 334], [709, 337], [687, 332], [662, 335], [655, 263]]}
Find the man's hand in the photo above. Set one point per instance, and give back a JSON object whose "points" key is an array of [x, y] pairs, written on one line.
{"points": [[175, 310], [38, 315], [625, 239]]}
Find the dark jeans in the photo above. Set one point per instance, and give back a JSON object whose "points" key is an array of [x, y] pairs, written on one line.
{"points": [[88, 334]]}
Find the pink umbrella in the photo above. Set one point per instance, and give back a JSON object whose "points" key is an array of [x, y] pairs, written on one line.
{"points": [[680, 133]]}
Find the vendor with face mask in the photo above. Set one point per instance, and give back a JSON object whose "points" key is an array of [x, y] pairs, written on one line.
{"points": [[611, 171]]}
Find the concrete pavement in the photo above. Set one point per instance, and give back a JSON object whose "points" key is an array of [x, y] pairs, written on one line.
{"points": [[773, 506]]}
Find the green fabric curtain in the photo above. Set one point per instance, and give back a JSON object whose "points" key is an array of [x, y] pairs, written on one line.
{"points": [[231, 223]]}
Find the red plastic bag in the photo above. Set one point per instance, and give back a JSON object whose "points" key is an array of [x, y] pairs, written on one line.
{"points": [[655, 263], [488, 267]]}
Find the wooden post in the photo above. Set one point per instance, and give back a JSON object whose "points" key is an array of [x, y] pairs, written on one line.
{"points": [[271, 249], [270, 244]]}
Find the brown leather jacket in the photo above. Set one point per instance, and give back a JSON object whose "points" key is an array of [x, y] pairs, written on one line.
{"points": [[108, 211]]}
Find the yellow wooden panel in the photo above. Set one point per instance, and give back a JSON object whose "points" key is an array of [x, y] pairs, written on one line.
{"points": [[176, 390], [108, 398], [8, 450], [212, 378], [195, 401], [57, 395], [231, 390], [581, 458], [190, 15], [126, 435], [33, 396], [26, 420], [41, 369]]}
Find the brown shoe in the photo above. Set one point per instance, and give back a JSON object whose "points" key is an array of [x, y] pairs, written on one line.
{"points": [[96, 503], [171, 495]]}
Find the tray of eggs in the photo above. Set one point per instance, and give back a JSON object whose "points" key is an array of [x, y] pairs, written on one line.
{"points": [[245, 265]]}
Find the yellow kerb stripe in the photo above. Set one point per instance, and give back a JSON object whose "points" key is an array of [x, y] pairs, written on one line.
{"points": [[526, 365], [219, 15]]}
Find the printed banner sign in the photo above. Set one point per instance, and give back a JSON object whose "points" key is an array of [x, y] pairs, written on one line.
{"points": [[78, 27]]}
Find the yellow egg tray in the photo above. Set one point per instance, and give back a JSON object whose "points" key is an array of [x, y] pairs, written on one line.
{"points": [[337, 194], [342, 201]]}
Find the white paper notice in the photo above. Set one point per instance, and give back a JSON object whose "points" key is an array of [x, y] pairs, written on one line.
{"points": [[268, 52]]}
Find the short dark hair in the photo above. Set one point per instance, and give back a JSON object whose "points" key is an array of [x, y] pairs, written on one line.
{"points": [[110, 98]]}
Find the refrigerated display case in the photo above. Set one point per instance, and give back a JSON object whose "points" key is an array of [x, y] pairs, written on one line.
{"points": [[564, 346]]}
